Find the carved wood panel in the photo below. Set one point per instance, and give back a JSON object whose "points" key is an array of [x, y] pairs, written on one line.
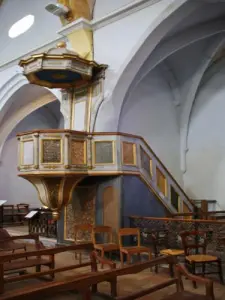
{"points": [[129, 153], [78, 153], [51, 151]]}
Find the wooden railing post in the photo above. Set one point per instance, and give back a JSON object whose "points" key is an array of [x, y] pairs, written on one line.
{"points": [[1, 277], [204, 209]]}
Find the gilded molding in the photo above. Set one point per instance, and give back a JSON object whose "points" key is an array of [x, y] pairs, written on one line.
{"points": [[54, 192]]}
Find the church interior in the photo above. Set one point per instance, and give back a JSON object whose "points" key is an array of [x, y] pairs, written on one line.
{"points": [[111, 149]]}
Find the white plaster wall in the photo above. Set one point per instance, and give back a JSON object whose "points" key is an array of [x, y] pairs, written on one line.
{"points": [[114, 43], [133, 39], [6, 74], [104, 7], [13, 188], [43, 31], [204, 178], [150, 112]]}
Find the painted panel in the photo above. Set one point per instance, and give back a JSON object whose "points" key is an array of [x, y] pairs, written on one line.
{"points": [[129, 153], [28, 153], [80, 116], [51, 151], [103, 152], [161, 182]]}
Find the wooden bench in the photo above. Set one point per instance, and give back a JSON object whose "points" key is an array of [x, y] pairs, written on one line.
{"points": [[7, 242], [37, 258], [83, 283]]}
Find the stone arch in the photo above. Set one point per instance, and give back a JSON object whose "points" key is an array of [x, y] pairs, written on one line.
{"points": [[177, 43], [38, 113], [20, 115], [169, 18], [190, 98], [8, 89]]}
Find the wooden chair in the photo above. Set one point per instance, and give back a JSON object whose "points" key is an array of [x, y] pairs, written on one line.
{"points": [[107, 244], [79, 231], [8, 212], [22, 211], [195, 244], [160, 243], [129, 251]]}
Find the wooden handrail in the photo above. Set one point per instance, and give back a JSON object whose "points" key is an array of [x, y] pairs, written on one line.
{"points": [[178, 220], [48, 272], [49, 251], [31, 236], [83, 282]]}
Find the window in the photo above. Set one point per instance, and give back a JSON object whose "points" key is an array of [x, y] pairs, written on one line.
{"points": [[21, 26]]}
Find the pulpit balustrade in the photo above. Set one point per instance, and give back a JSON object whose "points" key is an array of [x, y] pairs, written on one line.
{"points": [[55, 161]]}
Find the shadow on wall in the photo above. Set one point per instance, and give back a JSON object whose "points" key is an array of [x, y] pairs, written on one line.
{"points": [[138, 200], [151, 106], [13, 188]]}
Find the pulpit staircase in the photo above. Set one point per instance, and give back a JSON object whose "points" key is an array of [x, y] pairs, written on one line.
{"points": [[57, 155]]}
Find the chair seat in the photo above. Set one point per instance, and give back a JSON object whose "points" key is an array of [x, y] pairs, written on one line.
{"points": [[186, 296], [106, 247], [201, 258], [173, 252], [135, 249]]}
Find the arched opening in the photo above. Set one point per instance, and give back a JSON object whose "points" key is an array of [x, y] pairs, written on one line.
{"points": [[32, 108]]}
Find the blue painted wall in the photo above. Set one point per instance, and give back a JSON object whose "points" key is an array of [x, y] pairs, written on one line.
{"points": [[135, 199], [138, 200]]}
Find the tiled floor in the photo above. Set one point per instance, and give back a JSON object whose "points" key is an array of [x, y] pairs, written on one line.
{"points": [[126, 284]]}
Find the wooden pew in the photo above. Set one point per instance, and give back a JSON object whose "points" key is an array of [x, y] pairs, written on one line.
{"points": [[7, 242], [18, 261], [83, 283]]}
